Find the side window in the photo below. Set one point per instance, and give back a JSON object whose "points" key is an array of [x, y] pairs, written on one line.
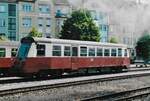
{"points": [[106, 52], [56, 50], [67, 51], [13, 52], [2, 52], [125, 52], [99, 52], [40, 50], [113, 52], [119, 52], [83, 51], [91, 51]]}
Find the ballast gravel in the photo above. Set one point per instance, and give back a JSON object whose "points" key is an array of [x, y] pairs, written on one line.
{"points": [[75, 93]]}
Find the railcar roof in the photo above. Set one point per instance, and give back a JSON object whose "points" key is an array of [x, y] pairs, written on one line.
{"points": [[76, 42]]}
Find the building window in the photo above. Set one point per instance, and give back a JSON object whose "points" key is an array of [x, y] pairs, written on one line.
{"points": [[40, 22], [12, 10], [43, 8], [27, 7], [12, 24], [2, 9], [56, 50], [2, 23], [13, 52], [2, 52], [83, 51], [12, 35], [48, 22], [40, 50], [67, 51], [27, 22]]}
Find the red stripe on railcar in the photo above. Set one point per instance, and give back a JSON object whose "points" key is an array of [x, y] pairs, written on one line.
{"points": [[33, 65], [6, 62]]}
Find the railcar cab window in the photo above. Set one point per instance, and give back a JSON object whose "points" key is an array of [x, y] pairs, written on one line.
{"points": [[2, 52], [13, 52], [106, 52], [119, 52], [56, 50], [91, 51], [83, 51], [40, 50], [99, 52], [113, 52], [67, 51]]}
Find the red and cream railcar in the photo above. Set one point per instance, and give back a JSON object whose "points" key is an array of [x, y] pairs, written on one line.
{"points": [[8, 51], [55, 56]]}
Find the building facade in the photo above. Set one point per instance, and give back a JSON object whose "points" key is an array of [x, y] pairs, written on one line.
{"points": [[62, 11], [9, 19], [102, 21], [38, 14]]}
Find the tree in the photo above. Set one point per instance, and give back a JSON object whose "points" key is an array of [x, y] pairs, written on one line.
{"points": [[143, 47], [113, 40], [80, 26], [3, 38], [34, 33]]}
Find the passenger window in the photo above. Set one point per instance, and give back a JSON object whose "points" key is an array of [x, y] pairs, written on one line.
{"points": [[106, 52], [67, 51], [99, 52], [113, 52], [83, 51], [40, 50], [2, 52], [56, 50], [13, 52], [119, 52], [91, 51], [74, 51], [125, 52]]}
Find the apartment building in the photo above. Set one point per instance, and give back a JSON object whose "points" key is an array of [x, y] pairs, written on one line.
{"points": [[62, 10], [38, 14], [9, 19]]}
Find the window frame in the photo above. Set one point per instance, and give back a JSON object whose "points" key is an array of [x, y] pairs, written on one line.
{"points": [[90, 53]]}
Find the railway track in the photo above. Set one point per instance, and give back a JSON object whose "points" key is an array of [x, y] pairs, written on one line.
{"points": [[8, 80], [51, 84], [128, 95]]}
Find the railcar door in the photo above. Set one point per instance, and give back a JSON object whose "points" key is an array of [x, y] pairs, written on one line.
{"points": [[74, 58]]}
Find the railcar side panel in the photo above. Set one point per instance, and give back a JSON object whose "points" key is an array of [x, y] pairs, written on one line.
{"points": [[6, 62], [36, 64]]}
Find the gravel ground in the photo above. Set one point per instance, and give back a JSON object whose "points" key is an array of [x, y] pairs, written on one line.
{"points": [[76, 92]]}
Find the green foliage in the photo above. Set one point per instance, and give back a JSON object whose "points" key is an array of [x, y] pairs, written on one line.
{"points": [[80, 26], [34, 33], [113, 40], [3, 38], [143, 47]]}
